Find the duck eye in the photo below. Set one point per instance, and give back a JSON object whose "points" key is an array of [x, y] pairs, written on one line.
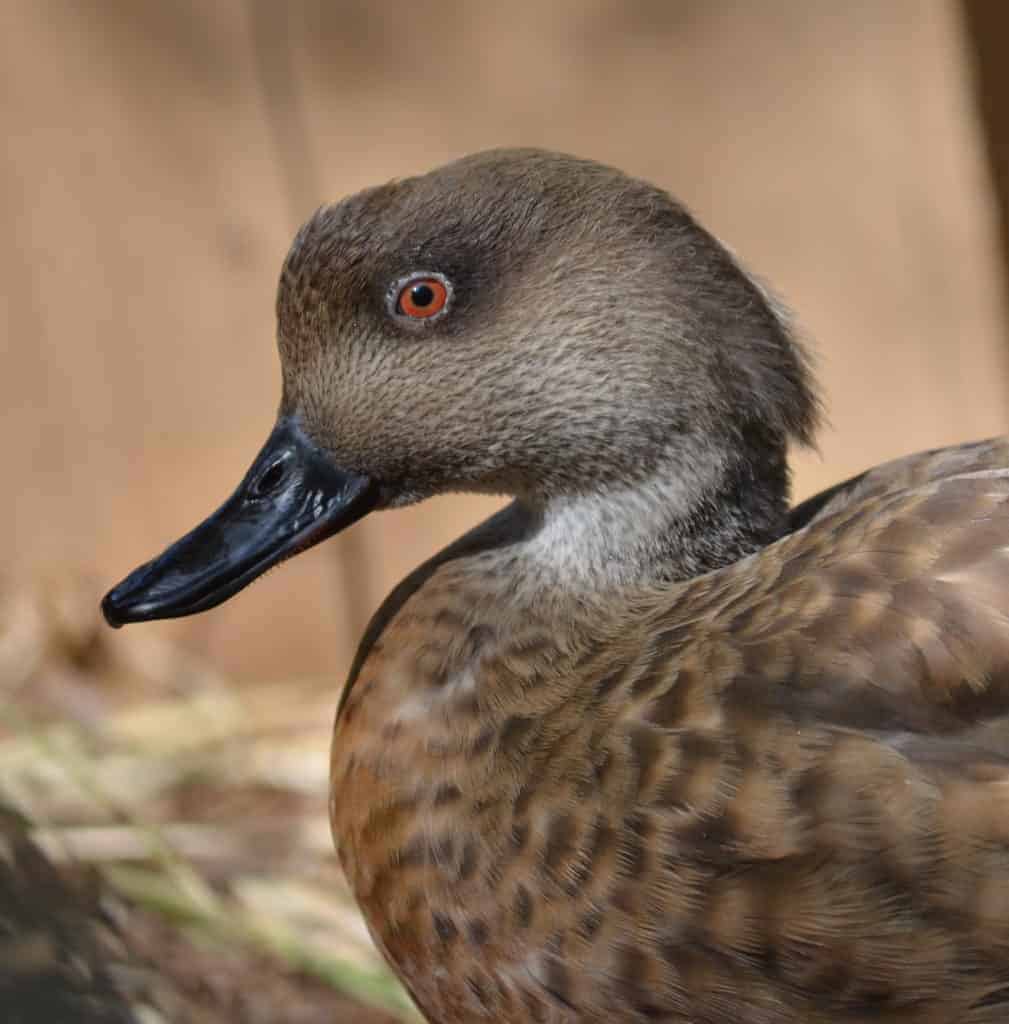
{"points": [[421, 298]]}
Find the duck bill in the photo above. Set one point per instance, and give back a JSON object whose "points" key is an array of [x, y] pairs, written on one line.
{"points": [[291, 498]]}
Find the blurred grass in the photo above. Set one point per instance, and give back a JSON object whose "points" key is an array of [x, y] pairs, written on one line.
{"points": [[192, 796]]}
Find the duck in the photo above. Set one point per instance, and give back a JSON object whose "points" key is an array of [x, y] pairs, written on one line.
{"points": [[651, 743]]}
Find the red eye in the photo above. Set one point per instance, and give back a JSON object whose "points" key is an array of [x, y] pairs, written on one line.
{"points": [[422, 298]]}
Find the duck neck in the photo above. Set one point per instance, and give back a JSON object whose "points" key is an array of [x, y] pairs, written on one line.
{"points": [[684, 520]]}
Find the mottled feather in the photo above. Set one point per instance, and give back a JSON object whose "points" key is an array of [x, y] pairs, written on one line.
{"points": [[774, 793]]}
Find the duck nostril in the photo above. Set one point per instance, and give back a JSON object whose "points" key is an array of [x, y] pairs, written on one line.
{"points": [[269, 480]]}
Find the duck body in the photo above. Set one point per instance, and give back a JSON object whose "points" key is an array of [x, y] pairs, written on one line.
{"points": [[647, 745], [777, 792]]}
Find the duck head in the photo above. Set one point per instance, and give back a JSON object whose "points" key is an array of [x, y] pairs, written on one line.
{"points": [[516, 322]]}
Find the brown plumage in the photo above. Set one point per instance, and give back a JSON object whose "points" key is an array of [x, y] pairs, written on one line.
{"points": [[647, 745]]}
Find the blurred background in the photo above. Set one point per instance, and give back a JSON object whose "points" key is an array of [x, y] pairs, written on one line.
{"points": [[159, 158]]}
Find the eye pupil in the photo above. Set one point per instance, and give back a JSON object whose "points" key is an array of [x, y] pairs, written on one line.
{"points": [[422, 295]]}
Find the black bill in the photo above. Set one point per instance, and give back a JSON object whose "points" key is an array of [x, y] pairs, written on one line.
{"points": [[291, 498]]}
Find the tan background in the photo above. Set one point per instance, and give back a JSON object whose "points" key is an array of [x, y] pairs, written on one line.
{"points": [[159, 157]]}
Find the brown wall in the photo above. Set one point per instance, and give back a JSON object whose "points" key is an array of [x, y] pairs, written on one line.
{"points": [[160, 155]]}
